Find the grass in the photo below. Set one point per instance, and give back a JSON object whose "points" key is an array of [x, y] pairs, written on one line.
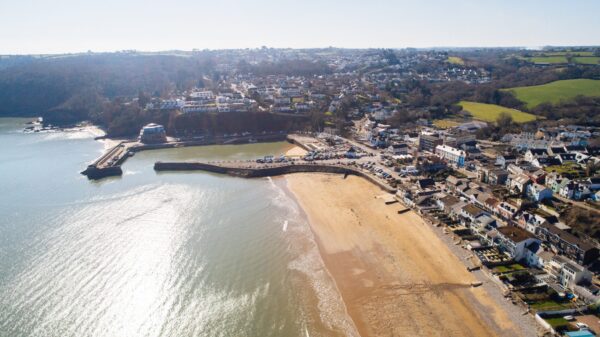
{"points": [[572, 170], [491, 112], [587, 60], [547, 59], [455, 60], [574, 53], [556, 321], [549, 305], [557, 91], [445, 123], [509, 268]]}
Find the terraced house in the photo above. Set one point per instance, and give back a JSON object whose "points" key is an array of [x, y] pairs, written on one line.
{"points": [[567, 244]]}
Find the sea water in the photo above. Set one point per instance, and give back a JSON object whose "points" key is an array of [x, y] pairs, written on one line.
{"points": [[153, 254]]}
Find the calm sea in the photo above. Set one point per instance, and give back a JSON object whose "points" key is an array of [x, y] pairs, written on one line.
{"points": [[153, 254]]}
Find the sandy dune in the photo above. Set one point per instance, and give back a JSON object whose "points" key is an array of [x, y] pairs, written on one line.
{"points": [[395, 275]]}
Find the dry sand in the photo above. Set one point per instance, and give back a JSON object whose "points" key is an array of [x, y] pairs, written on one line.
{"points": [[296, 151], [396, 277]]}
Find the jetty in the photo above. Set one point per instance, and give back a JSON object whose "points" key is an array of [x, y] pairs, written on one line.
{"points": [[109, 164]]}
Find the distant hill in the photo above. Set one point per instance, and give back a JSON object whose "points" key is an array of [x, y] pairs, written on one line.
{"points": [[42, 86], [68, 88]]}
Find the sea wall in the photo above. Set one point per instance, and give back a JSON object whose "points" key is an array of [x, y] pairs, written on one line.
{"points": [[268, 171]]}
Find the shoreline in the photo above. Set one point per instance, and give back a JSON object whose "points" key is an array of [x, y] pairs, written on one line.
{"points": [[395, 274]]}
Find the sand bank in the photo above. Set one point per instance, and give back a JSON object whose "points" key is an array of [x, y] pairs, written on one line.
{"points": [[395, 275]]}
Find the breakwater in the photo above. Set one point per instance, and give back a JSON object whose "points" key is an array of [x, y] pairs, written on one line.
{"points": [[109, 164], [269, 171]]}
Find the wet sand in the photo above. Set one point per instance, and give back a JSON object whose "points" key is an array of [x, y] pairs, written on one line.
{"points": [[395, 275]]}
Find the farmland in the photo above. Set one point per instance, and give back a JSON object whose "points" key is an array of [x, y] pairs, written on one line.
{"points": [[587, 60], [557, 91], [547, 59], [455, 60], [491, 112], [445, 123]]}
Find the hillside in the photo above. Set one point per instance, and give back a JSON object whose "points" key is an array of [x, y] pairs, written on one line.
{"points": [[491, 112], [555, 92]]}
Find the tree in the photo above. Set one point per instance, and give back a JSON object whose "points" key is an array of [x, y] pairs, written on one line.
{"points": [[591, 168], [143, 99], [504, 120]]}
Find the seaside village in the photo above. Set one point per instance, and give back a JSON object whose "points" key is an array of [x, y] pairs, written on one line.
{"points": [[524, 207], [508, 203], [514, 204], [239, 91]]}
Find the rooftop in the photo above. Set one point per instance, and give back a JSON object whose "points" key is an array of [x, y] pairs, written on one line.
{"points": [[516, 234]]}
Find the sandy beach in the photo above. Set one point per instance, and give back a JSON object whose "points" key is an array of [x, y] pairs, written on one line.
{"points": [[395, 275]]}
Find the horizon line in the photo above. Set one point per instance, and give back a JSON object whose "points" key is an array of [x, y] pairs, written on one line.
{"points": [[532, 48]]}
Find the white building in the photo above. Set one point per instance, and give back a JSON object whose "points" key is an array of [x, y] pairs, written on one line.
{"points": [[451, 154], [568, 272], [202, 95]]}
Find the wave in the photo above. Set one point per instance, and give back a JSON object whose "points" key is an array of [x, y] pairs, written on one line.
{"points": [[308, 261]]}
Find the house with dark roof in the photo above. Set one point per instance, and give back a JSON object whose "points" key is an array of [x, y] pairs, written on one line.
{"points": [[445, 203], [453, 183], [566, 158], [567, 244], [576, 149], [556, 150], [507, 210], [530, 221], [470, 212], [593, 183], [398, 148], [532, 154], [545, 161], [491, 204], [519, 244], [426, 183], [497, 177], [506, 159]]}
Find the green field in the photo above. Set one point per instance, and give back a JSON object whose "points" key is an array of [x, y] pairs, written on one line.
{"points": [[455, 60], [573, 53], [547, 59], [491, 112], [445, 123], [557, 91], [587, 60]]}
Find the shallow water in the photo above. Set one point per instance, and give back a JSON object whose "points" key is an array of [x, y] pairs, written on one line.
{"points": [[153, 254]]}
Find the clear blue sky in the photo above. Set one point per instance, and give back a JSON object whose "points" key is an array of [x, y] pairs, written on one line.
{"points": [[55, 26]]}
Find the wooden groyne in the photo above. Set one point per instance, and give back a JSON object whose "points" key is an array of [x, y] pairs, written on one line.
{"points": [[268, 171]]}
